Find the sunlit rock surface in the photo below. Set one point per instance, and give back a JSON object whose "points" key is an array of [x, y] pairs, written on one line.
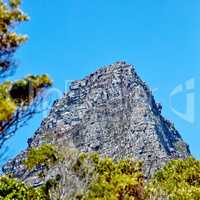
{"points": [[113, 112]]}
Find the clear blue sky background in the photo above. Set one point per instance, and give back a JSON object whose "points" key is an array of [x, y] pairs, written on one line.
{"points": [[70, 39]]}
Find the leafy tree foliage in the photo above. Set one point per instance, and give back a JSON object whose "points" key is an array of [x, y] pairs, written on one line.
{"points": [[115, 181], [179, 179], [12, 189], [10, 16], [19, 99], [102, 178]]}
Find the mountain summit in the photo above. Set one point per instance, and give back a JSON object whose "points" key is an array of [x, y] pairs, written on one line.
{"points": [[113, 112]]}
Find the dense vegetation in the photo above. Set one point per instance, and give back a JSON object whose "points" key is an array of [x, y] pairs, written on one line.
{"points": [[111, 180], [179, 179], [12, 189], [103, 178]]}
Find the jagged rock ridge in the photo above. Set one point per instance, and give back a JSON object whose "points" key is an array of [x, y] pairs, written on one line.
{"points": [[113, 112]]}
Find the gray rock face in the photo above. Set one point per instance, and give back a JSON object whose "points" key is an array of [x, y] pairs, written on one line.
{"points": [[113, 112]]}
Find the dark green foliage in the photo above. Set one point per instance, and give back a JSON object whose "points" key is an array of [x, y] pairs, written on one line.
{"points": [[49, 185]]}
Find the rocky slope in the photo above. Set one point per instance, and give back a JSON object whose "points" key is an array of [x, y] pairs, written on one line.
{"points": [[113, 112]]}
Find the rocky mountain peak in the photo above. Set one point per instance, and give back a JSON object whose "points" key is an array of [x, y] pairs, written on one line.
{"points": [[113, 112]]}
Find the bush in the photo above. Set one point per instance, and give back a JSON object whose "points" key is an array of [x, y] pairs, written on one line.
{"points": [[86, 176], [113, 181], [179, 179], [12, 189], [44, 155]]}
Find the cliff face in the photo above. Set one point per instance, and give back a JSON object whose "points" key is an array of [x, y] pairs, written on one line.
{"points": [[113, 112]]}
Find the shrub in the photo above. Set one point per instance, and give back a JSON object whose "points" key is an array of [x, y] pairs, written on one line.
{"points": [[110, 180], [44, 155], [179, 179], [12, 189]]}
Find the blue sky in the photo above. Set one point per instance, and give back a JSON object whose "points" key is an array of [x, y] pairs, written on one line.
{"points": [[69, 39]]}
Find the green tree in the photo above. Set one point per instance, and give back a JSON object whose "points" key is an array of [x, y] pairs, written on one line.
{"points": [[19, 99]]}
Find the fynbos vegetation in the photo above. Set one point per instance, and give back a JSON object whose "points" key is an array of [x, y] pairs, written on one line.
{"points": [[102, 178]]}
